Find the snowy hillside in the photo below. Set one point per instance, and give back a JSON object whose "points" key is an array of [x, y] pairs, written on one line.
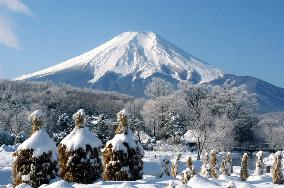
{"points": [[134, 56], [270, 98]]}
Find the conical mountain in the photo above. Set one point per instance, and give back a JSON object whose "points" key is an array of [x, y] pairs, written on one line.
{"points": [[127, 63]]}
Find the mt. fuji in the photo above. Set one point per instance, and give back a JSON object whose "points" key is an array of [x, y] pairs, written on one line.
{"points": [[128, 62], [133, 56]]}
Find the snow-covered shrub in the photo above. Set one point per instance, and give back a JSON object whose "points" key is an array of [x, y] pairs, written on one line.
{"points": [[205, 168], [259, 165], [277, 176], [175, 166], [213, 164], [244, 168], [165, 167], [79, 153], [122, 156], [35, 160], [189, 172]]}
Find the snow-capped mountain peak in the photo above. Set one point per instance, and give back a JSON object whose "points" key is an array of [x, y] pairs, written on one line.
{"points": [[136, 54]]}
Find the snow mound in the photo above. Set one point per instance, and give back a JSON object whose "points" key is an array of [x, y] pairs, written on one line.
{"points": [[246, 185], [79, 138], [9, 148], [23, 185], [58, 184], [201, 182], [126, 185], [190, 136], [41, 143], [119, 139]]}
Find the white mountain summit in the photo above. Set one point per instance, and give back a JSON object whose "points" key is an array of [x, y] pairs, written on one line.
{"points": [[136, 54]]}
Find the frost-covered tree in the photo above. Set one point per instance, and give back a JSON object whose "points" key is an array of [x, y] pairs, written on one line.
{"points": [[35, 161], [244, 168], [277, 175], [174, 126], [259, 165], [79, 153], [158, 87], [165, 167], [63, 128], [122, 155], [100, 128], [208, 108], [155, 112]]}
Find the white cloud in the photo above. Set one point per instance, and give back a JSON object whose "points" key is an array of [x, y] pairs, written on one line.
{"points": [[16, 6], [7, 34]]}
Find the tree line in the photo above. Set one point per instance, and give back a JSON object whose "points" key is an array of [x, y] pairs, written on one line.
{"points": [[220, 116]]}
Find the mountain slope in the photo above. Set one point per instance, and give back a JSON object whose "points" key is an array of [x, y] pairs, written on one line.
{"points": [[270, 98]]}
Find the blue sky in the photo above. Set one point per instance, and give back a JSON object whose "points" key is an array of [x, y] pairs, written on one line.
{"points": [[244, 37]]}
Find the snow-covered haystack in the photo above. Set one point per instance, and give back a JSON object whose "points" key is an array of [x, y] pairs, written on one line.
{"points": [[259, 165], [189, 172], [35, 160], [277, 175], [79, 153], [205, 168], [213, 164], [244, 168], [175, 166], [122, 156], [165, 167]]}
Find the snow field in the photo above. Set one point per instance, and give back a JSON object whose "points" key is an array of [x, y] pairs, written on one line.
{"points": [[152, 165]]}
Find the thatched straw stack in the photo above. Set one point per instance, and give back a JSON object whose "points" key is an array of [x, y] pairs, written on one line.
{"points": [[79, 153], [122, 156], [277, 175], [244, 168], [36, 158]]}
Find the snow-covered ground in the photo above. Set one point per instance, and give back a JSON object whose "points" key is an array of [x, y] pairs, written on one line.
{"points": [[152, 162]]}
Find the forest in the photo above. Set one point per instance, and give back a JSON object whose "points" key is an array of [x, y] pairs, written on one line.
{"points": [[222, 117]]}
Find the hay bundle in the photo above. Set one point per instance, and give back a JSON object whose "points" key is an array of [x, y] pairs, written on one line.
{"points": [[79, 154], [122, 156], [244, 168], [189, 172], [36, 158], [213, 164], [277, 175]]}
